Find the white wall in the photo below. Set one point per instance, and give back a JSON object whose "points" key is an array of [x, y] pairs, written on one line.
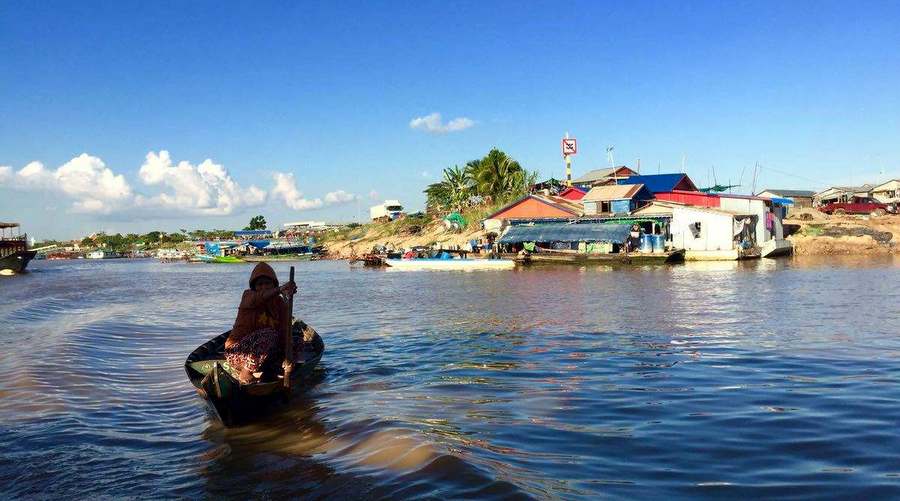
{"points": [[883, 195], [716, 230], [748, 206]]}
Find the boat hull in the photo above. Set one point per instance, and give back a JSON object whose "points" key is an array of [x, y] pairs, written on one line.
{"points": [[633, 258], [235, 404], [17, 261], [450, 264]]}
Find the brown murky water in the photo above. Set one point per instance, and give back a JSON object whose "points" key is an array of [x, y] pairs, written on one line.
{"points": [[765, 378]]}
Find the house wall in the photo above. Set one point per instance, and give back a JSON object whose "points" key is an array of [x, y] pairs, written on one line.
{"points": [[531, 208], [716, 230], [888, 192], [690, 198], [750, 206], [621, 206]]}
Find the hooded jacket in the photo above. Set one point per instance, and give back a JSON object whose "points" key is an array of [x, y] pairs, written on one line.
{"points": [[259, 309]]}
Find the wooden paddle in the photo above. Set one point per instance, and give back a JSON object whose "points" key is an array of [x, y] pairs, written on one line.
{"points": [[289, 341]]}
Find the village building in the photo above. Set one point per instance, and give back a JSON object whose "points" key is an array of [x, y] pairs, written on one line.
{"points": [[737, 228], [599, 177], [662, 183], [799, 198], [838, 194], [533, 207], [617, 199], [887, 193]]}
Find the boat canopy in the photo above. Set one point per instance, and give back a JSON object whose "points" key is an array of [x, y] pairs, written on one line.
{"points": [[564, 232], [251, 233]]}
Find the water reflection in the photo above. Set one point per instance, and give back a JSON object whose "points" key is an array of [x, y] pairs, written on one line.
{"points": [[743, 379]]}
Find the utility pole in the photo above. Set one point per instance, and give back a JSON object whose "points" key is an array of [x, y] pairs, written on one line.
{"points": [[568, 166]]}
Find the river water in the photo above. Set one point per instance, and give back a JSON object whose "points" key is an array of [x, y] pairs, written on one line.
{"points": [[762, 378]]}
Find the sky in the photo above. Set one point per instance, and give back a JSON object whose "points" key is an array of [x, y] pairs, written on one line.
{"points": [[132, 116]]}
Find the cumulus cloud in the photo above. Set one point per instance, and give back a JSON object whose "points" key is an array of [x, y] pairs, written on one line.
{"points": [[432, 123], [94, 187], [339, 197], [286, 190], [205, 189]]}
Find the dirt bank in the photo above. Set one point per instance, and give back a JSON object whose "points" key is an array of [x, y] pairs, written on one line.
{"points": [[361, 240], [814, 233]]}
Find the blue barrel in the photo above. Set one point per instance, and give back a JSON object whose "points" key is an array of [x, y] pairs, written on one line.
{"points": [[646, 244], [659, 243]]}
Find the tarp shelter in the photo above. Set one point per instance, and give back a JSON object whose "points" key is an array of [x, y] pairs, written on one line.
{"points": [[562, 232]]}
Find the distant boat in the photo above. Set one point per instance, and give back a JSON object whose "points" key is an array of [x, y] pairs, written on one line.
{"points": [[103, 255], [14, 253], [450, 264]]}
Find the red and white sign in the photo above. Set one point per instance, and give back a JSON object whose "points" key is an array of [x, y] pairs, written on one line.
{"points": [[569, 146]]}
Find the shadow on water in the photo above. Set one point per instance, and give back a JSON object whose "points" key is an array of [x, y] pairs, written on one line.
{"points": [[293, 452]]}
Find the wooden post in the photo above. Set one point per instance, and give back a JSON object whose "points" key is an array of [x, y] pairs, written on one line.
{"points": [[289, 340]]}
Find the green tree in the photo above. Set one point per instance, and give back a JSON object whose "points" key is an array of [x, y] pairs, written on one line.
{"points": [[459, 186], [256, 223], [500, 177], [437, 197]]}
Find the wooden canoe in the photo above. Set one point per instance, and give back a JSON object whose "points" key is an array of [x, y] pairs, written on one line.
{"points": [[235, 403]]}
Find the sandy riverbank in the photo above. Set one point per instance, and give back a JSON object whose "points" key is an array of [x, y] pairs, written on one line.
{"points": [[817, 234]]}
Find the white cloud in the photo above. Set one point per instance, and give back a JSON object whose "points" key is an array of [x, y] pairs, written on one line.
{"points": [[432, 123], [373, 195], [339, 197], [94, 187], [206, 189], [286, 189]]}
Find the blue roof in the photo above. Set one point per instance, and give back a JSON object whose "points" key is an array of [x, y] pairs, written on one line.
{"points": [[563, 232], [251, 233], [656, 183]]}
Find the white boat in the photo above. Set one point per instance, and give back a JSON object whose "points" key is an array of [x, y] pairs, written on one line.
{"points": [[103, 255], [450, 264]]}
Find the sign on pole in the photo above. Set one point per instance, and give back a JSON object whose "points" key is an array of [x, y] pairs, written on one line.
{"points": [[569, 146]]}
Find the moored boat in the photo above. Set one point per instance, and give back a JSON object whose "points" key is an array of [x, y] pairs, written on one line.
{"points": [[235, 403], [14, 253], [450, 264]]}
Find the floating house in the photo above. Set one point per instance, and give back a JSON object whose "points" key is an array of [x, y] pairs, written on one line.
{"points": [[531, 208], [615, 199], [735, 229], [599, 177], [799, 198]]}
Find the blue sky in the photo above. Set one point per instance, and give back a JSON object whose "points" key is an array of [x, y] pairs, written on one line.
{"points": [[326, 92]]}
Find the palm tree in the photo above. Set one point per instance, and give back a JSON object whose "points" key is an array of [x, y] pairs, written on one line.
{"points": [[500, 177], [459, 183]]}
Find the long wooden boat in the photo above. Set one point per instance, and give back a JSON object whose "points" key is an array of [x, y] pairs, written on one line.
{"points": [[235, 403], [451, 264], [279, 257], [573, 257]]}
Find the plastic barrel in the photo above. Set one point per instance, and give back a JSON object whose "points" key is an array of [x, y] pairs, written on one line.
{"points": [[646, 244], [659, 243]]}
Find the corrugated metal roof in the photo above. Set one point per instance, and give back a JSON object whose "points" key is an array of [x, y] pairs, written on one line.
{"points": [[560, 203], [561, 232], [790, 193], [597, 174], [612, 192], [657, 183]]}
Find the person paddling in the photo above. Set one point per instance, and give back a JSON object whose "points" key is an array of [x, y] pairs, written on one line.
{"points": [[255, 347]]}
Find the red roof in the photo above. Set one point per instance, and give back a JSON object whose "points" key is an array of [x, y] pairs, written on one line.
{"points": [[538, 207], [572, 193]]}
